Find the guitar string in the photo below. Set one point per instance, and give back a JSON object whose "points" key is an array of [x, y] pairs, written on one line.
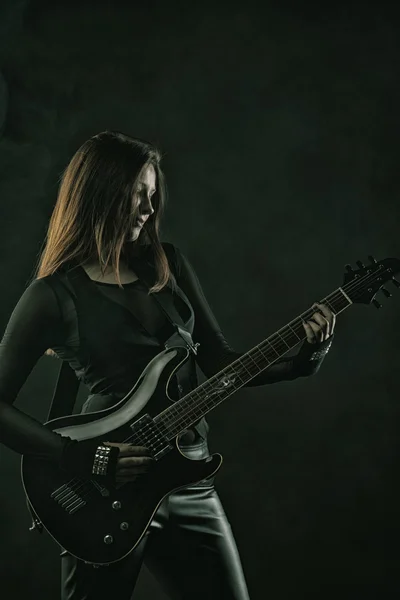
{"points": [[339, 294], [250, 362]]}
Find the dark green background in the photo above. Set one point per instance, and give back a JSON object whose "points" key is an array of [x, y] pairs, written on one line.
{"points": [[279, 123]]}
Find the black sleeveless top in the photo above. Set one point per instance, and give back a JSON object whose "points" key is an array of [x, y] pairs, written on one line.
{"points": [[112, 333]]}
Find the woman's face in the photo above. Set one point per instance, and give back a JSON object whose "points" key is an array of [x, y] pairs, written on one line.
{"points": [[146, 188]]}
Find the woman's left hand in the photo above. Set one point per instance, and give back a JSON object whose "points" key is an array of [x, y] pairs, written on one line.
{"points": [[321, 326]]}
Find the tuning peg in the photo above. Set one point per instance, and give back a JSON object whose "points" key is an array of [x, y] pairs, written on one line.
{"points": [[376, 303], [349, 268], [396, 283], [360, 264], [387, 293], [372, 260]]}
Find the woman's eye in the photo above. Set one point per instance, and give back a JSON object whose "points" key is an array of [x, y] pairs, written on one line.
{"points": [[142, 193]]}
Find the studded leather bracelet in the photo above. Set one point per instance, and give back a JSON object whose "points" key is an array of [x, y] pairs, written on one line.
{"points": [[318, 354], [101, 460]]}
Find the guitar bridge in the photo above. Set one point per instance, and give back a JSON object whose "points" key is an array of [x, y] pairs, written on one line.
{"points": [[103, 491]]}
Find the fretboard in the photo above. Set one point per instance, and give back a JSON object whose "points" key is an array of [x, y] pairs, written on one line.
{"points": [[189, 409]]}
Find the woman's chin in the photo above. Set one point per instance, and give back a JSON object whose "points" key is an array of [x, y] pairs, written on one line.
{"points": [[134, 236]]}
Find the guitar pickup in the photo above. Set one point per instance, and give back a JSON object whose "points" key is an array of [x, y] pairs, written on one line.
{"points": [[148, 433]]}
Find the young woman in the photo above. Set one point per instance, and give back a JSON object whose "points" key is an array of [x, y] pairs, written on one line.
{"points": [[106, 220]]}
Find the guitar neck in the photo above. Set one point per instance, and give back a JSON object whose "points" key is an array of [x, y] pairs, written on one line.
{"points": [[186, 411]]}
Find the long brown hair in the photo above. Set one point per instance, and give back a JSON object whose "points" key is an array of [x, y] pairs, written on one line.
{"points": [[97, 206]]}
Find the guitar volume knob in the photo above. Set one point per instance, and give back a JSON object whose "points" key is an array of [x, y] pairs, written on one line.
{"points": [[108, 539], [124, 526], [116, 505]]}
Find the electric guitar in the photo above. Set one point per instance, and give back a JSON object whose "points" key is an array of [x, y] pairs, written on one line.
{"points": [[102, 524]]}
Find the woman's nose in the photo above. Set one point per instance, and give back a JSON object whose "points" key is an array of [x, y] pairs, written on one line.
{"points": [[148, 206]]}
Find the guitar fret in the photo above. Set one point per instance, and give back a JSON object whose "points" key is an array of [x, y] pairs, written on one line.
{"points": [[239, 377], [253, 361], [241, 362], [291, 329], [284, 341], [268, 342], [280, 344], [329, 305], [264, 357]]}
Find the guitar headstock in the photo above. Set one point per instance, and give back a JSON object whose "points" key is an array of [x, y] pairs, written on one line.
{"points": [[362, 285]]}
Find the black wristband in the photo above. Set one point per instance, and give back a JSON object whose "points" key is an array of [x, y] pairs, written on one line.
{"points": [[310, 357], [315, 351], [83, 459]]}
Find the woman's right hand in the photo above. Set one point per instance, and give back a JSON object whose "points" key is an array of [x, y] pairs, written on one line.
{"points": [[132, 461]]}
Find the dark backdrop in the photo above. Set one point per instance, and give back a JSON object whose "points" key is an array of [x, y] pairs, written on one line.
{"points": [[279, 124]]}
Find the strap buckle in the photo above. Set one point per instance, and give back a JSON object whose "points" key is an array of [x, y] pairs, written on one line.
{"points": [[187, 338]]}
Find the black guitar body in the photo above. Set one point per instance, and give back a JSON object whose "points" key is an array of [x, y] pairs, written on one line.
{"points": [[101, 524]]}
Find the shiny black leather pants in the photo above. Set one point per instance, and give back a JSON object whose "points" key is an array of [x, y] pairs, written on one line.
{"points": [[189, 548]]}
